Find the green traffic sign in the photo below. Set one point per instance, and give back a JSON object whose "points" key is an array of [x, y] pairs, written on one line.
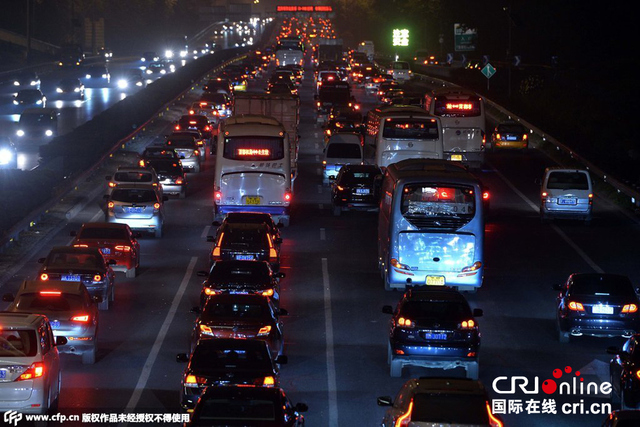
{"points": [[488, 71]]}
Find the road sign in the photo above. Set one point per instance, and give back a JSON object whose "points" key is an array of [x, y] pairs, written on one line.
{"points": [[485, 60], [400, 37], [449, 58], [516, 61], [465, 38], [488, 71]]}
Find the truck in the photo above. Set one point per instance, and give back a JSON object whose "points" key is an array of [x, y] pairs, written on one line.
{"points": [[284, 108], [367, 48], [329, 50]]}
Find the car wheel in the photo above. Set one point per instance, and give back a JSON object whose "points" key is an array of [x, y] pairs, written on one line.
{"points": [[104, 304], [285, 222], [131, 273], [89, 357], [196, 169], [337, 210], [473, 371], [396, 368], [112, 295], [563, 337]]}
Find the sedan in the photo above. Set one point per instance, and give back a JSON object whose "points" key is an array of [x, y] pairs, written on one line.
{"points": [[171, 175], [245, 242], [197, 122], [85, 265], [604, 305], [138, 206], [624, 370], [30, 98], [97, 75], [357, 187], [149, 56], [27, 79], [510, 134], [71, 87], [188, 151]]}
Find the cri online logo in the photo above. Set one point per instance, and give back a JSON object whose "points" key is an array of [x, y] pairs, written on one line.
{"points": [[574, 386], [12, 417]]}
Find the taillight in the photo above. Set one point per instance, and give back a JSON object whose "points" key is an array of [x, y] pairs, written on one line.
{"points": [[340, 188], [36, 370], [406, 323], [206, 330], [629, 308], [493, 421], [525, 137], [467, 324], [209, 291], [405, 419], [110, 205], [44, 276], [264, 331], [268, 293], [576, 306], [191, 381], [498, 136], [269, 381], [123, 248], [97, 278], [156, 206], [50, 293], [485, 195], [80, 246], [638, 375], [473, 267], [177, 127], [112, 184], [544, 194], [82, 319], [287, 196], [196, 152], [141, 163], [217, 196], [192, 112], [179, 181], [590, 198], [318, 104], [207, 128]]}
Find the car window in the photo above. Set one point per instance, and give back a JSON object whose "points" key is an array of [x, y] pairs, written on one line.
{"points": [[208, 358], [35, 301], [18, 343], [73, 260], [45, 338], [344, 151], [245, 237], [511, 128], [181, 142], [103, 233], [254, 272], [134, 195], [601, 285], [568, 180], [410, 129], [440, 310], [133, 176], [238, 311]]}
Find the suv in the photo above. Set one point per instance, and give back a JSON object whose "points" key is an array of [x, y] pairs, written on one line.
{"points": [[134, 175], [357, 187], [171, 175], [461, 402], [38, 123], [188, 150], [195, 121], [29, 364], [138, 206], [433, 328], [245, 242], [566, 193]]}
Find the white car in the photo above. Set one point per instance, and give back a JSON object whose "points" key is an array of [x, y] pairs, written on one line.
{"points": [[342, 149], [566, 193], [29, 364], [400, 71]]}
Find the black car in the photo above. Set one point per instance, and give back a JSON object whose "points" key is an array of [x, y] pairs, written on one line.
{"points": [[604, 305], [195, 121], [328, 97], [431, 401], [240, 316], [245, 242], [282, 88], [170, 174], [30, 98], [227, 361], [622, 419], [357, 187], [219, 84], [97, 75], [241, 277], [255, 218], [72, 87], [433, 328], [38, 123], [149, 56], [27, 79], [246, 406], [131, 79], [624, 370]]}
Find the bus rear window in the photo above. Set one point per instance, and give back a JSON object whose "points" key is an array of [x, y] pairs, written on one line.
{"points": [[425, 200], [410, 129], [457, 107], [253, 148]]}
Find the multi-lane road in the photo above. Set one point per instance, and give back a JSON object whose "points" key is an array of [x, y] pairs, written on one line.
{"points": [[336, 333]]}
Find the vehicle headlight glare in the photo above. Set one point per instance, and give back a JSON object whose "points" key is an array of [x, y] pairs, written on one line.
{"points": [[48, 132], [5, 156], [20, 132], [122, 83]]}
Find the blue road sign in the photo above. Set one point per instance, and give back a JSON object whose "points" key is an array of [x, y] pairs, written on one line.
{"points": [[488, 71]]}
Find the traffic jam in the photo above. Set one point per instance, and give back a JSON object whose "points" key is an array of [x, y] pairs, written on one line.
{"points": [[405, 158]]}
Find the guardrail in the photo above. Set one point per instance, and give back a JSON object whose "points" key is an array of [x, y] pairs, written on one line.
{"points": [[620, 187]]}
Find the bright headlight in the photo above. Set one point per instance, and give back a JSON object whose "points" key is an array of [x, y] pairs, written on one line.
{"points": [[48, 132], [104, 76], [59, 90], [39, 101], [16, 83], [88, 76], [76, 89], [138, 83], [15, 101], [163, 71], [122, 83], [168, 53], [149, 71], [20, 132], [5, 156], [33, 83], [142, 59]]}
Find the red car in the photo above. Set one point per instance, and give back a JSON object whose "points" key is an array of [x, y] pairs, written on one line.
{"points": [[115, 241]]}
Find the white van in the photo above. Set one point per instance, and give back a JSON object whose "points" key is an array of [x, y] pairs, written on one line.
{"points": [[566, 193], [400, 71], [342, 149]]}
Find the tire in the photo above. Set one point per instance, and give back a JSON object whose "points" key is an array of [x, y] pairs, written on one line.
{"points": [[285, 222], [104, 305], [89, 357], [196, 169], [473, 371], [387, 285], [158, 233], [396, 369], [112, 295], [337, 211], [131, 273]]}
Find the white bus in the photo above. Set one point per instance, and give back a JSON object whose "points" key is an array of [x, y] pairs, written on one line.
{"points": [[463, 121], [253, 169], [404, 132]]}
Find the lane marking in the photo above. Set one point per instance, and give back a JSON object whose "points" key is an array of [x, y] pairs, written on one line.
{"points": [[331, 363], [323, 235], [205, 232], [319, 188], [317, 145], [319, 171], [96, 216], [317, 157], [586, 258], [151, 359]]}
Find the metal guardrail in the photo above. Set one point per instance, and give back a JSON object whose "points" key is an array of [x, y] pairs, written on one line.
{"points": [[621, 188]]}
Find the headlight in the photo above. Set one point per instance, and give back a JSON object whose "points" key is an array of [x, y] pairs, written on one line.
{"points": [[183, 53], [163, 71], [76, 89], [5, 156], [88, 76], [20, 132], [39, 101], [142, 59], [168, 53], [48, 132], [15, 102], [122, 83], [16, 83], [149, 71], [138, 83], [33, 83], [104, 76], [59, 90]]}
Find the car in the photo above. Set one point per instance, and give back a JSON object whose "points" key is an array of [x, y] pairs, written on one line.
{"points": [[245, 242], [188, 150], [400, 71], [216, 105], [85, 265], [157, 152], [622, 419], [623, 372], [71, 87], [282, 89], [27, 79], [249, 277], [566, 193], [72, 313], [194, 121], [343, 148], [30, 377], [428, 401], [116, 242], [357, 187], [156, 68], [404, 99], [392, 94], [510, 134], [135, 175], [97, 75], [596, 304], [30, 98], [37, 124], [195, 134], [219, 84], [386, 86], [106, 53], [132, 78], [240, 316], [8, 154], [235, 405], [149, 56], [171, 175], [138, 206], [227, 361], [343, 119], [255, 218], [433, 328]]}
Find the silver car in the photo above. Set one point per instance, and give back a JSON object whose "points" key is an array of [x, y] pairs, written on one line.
{"points": [[187, 149], [138, 206], [566, 193], [29, 364], [72, 313], [134, 175]]}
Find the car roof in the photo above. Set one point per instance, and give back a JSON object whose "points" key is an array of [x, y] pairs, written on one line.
{"points": [[104, 225], [34, 286], [561, 169], [256, 392], [250, 217], [11, 320], [231, 343], [134, 169], [361, 168], [449, 385], [237, 298]]}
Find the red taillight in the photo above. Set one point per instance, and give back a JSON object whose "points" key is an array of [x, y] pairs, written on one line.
{"points": [[141, 163], [629, 308], [80, 246], [493, 421], [207, 128], [156, 206], [287, 196], [576, 306], [498, 136], [318, 103], [177, 127], [36, 370], [192, 112], [269, 381], [44, 276], [196, 152], [112, 184], [467, 324], [110, 205], [179, 181], [405, 419], [123, 248], [638, 374], [97, 278], [485, 195], [268, 293], [218, 195], [191, 380], [82, 319], [50, 293], [405, 323]]}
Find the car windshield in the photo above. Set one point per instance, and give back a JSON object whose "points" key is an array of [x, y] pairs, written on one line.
{"points": [[445, 409], [159, 153], [35, 119], [103, 233], [437, 201], [441, 310], [73, 260], [249, 237], [30, 93], [400, 66], [134, 195], [193, 121], [166, 168], [511, 128], [131, 176], [341, 150], [602, 285], [70, 82], [18, 343], [335, 95], [248, 409], [568, 180], [36, 302], [210, 356], [234, 310]]}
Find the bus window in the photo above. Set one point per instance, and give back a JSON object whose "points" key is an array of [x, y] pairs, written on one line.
{"points": [[410, 129], [438, 202], [457, 108], [253, 148]]}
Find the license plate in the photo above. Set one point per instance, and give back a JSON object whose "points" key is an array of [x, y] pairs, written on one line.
{"points": [[245, 258], [435, 281], [567, 201], [430, 336], [134, 210], [70, 278], [105, 251], [602, 309], [252, 200], [55, 324], [512, 138], [362, 191], [456, 157], [3, 374]]}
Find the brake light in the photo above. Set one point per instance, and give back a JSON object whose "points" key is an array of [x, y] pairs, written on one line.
{"points": [[405, 419], [264, 331], [269, 381], [406, 323], [629, 308], [216, 250], [339, 188], [80, 246], [207, 128], [191, 381], [473, 267], [141, 163], [576, 306], [110, 205], [268, 293], [273, 255], [83, 319], [485, 195], [123, 248], [177, 127], [50, 293], [179, 181], [287, 196], [590, 199], [192, 112], [156, 206], [492, 419], [196, 152], [206, 330], [395, 263], [112, 184], [97, 278], [638, 374], [498, 136], [44, 276], [467, 324], [36, 370], [525, 137], [318, 103], [209, 291]]}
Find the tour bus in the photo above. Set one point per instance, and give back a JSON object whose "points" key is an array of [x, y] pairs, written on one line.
{"points": [[431, 226], [289, 51], [463, 121], [253, 170], [404, 132]]}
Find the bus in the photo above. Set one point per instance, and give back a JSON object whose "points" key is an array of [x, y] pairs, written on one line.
{"points": [[463, 121], [253, 169], [404, 132], [431, 226], [289, 51]]}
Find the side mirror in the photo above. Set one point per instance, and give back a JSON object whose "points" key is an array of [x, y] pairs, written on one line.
{"points": [[613, 350], [97, 299], [41, 260], [281, 360], [277, 240], [73, 233], [165, 198], [477, 312], [216, 223], [387, 309], [195, 310], [8, 298], [182, 358], [61, 340], [108, 177], [105, 197], [283, 312], [637, 290], [280, 275], [211, 239], [385, 401], [202, 273], [301, 407], [112, 262], [556, 287]]}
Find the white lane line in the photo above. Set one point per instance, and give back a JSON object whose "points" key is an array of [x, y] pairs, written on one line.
{"points": [[148, 364], [317, 145], [319, 171], [331, 363], [317, 157], [205, 232], [96, 216], [319, 188], [323, 235], [586, 258]]}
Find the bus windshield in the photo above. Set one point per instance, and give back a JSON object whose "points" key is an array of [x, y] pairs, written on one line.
{"points": [[457, 107], [410, 129], [438, 201], [253, 148]]}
